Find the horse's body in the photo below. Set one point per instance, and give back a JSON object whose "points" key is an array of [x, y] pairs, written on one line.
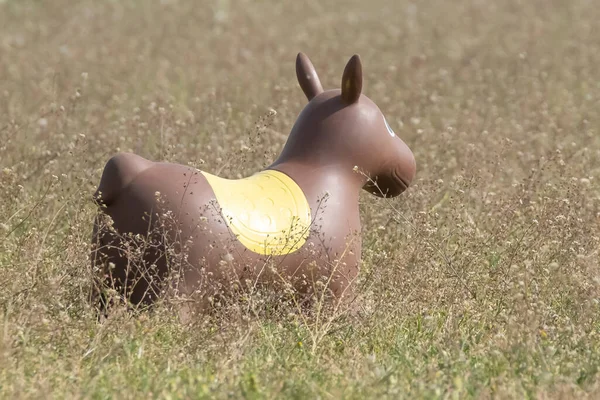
{"points": [[297, 221]]}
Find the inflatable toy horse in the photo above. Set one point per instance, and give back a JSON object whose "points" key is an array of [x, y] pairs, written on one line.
{"points": [[297, 221]]}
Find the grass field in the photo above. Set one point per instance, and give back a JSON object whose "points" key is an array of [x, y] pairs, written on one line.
{"points": [[481, 281]]}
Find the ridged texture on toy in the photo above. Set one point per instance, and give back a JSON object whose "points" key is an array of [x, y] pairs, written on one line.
{"points": [[267, 211]]}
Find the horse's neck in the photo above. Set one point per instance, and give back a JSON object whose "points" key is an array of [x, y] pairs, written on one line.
{"points": [[329, 190]]}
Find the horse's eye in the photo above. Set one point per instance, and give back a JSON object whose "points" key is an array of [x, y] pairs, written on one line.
{"points": [[391, 132]]}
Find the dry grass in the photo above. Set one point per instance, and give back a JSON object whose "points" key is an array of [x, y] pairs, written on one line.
{"points": [[481, 281]]}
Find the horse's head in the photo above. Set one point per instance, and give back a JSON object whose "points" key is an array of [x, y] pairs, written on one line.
{"points": [[343, 127]]}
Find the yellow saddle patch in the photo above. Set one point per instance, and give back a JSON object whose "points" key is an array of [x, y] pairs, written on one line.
{"points": [[267, 211]]}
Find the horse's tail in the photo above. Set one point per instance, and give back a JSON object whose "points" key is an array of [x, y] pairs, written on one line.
{"points": [[118, 172]]}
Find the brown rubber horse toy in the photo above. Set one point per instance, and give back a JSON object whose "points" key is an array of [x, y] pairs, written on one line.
{"points": [[296, 222]]}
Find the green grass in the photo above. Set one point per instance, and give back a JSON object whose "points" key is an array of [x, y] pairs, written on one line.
{"points": [[481, 281]]}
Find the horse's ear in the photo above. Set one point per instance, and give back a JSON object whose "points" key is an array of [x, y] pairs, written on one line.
{"points": [[307, 77], [352, 80]]}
